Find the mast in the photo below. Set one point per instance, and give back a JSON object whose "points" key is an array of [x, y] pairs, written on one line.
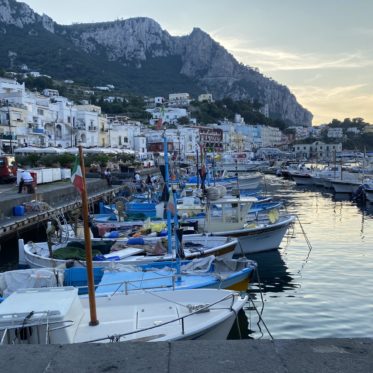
{"points": [[167, 179], [88, 246]]}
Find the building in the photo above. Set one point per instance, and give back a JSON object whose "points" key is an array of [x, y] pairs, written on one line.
{"points": [[317, 150], [179, 99], [50, 92], [168, 115], [205, 97], [335, 133], [211, 139]]}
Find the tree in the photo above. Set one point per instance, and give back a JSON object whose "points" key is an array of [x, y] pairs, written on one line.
{"points": [[183, 120]]}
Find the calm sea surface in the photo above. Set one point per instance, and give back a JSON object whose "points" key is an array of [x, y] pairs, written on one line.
{"points": [[323, 292]]}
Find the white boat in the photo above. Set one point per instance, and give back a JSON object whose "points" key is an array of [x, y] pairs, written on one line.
{"points": [[302, 177], [254, 236], [349, 183], [36, 255], [249, 181], [60, 316], [322, 177]]}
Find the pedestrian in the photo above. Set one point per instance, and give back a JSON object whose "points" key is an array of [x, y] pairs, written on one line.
{"points": [[26, 179], [107, 175]]}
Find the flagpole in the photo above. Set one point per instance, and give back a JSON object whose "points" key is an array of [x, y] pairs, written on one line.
{"points": [[88, 245]]}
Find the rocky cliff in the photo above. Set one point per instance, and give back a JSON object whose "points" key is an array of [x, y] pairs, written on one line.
{"points": [[140, 55]]}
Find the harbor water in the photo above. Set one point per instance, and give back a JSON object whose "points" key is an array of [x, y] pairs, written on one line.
{"points": [[321, 291], [317, 290]]}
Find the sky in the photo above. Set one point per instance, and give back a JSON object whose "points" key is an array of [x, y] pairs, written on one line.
{"points": [[321, 49]]}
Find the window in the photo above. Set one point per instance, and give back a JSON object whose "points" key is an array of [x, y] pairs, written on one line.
{"points": [[40, 112], [120, 140]]}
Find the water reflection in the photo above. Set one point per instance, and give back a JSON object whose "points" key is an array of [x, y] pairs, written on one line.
{"points": [[273, 275], [340, 197]]}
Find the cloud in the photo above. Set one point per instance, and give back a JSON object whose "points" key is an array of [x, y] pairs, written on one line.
{"points": [[273, 59], [276, 60], [339, 102]]}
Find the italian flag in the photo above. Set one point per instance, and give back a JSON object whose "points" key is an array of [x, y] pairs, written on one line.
{"points": [[76, 176]]}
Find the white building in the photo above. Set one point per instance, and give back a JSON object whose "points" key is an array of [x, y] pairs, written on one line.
{"points": [[159, 100], [317, 150], [87, 125], [50, 92], [179, 99], [335, 133], [122, 133], [205, 97], [301, 133], [354, 130], [168, 115]]}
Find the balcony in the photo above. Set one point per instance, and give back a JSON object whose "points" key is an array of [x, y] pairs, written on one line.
{"points": [[92, 128]]}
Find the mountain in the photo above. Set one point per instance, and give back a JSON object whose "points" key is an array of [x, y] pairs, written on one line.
{"points": [[138, 56]]}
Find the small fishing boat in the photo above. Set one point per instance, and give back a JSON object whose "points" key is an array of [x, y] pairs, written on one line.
{"points": [[256, 236], [209, 272], [108, 252]]}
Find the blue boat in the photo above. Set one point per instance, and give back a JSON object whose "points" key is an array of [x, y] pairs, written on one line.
{"points": [[208, 272]]}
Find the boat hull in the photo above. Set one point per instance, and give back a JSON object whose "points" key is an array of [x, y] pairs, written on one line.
{"points": [[302, 179], [34, 260], [258, 240], [341, 186]]}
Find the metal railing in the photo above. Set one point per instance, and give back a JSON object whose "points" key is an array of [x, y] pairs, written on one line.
{"points": [[22, 332]]}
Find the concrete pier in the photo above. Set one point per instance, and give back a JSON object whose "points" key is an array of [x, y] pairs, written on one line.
{"points": [[61, 196], [263, 356]]}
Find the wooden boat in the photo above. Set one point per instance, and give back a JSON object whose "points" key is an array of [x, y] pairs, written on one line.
{"points": [[36, 255]]}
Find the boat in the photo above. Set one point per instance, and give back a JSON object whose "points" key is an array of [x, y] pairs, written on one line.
{"points": [[124, 251], [209, 272], [348, 184], [255, 236], [302, 176], [59, 316], [248, 181]]}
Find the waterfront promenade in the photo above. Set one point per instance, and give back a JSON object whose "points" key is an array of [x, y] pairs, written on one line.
{"points": [[262, 356]]}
